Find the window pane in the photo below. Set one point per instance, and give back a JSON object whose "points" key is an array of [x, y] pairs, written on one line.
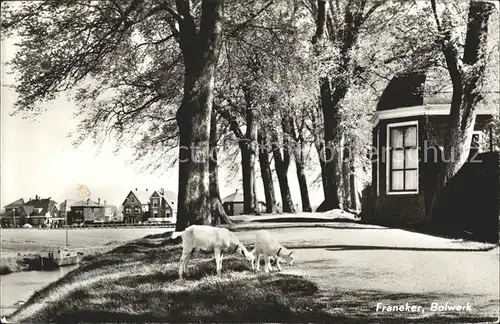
{"points": [[411, 136], [397, 180], [411, 180], [397, 159], [411, 157], [396, 137]]}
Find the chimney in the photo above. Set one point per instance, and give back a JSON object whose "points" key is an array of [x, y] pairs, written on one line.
{"points": [[88, 201], [135, 189], [104, 203], [36, 197], [146, 189], [162, 191], [98, 201]]}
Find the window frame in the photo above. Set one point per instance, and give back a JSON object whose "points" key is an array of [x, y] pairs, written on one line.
{"points": [[388, 174]]}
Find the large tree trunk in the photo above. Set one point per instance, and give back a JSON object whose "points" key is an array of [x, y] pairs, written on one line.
{"points": [[466, 92], [298, 154], [265, 170], [466, 89], [304, 193], [248, 159], [200, 52], [334, 87], [346, 183], [248, 147], [355, 195], [217, 212], [281, 166], [319, 144], [249, 156], [332, 144]]}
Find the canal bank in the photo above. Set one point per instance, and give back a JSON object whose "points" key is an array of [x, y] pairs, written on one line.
{"points": [[87, 241], [16, 288]]}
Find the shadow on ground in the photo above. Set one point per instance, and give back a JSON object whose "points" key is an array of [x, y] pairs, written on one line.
{"points": [[397, 248], [249, 227]]}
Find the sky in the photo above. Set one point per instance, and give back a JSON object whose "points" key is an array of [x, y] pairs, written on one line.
{"points": [[37, 158]]}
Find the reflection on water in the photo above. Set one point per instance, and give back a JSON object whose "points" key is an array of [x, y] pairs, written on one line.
{"points": [[19, 286]]}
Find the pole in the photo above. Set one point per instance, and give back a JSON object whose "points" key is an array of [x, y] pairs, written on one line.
{"points": [[66, 214], [14, 210]]}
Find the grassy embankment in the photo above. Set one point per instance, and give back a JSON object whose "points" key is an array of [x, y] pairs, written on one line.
{"points": [[12, 264], [138, 282]]}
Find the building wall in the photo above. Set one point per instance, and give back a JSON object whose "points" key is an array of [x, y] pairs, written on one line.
{"points": [[81, 214], [412, 208], [75, 216], [237, 208], [133, 213], [160, 207], [407, 208], [231, 209]]}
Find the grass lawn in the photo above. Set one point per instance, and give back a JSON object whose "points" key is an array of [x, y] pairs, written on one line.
{"points": [[138, 282]]}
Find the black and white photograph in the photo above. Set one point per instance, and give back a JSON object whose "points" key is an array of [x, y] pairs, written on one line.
{"points": [[250, 161]]}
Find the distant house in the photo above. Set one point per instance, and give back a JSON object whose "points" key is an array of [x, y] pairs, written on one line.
{"points": [[35, 212], [13, 212], [136, 206], [163, 206], [89, 211], [149, 205], [85, 211], [233, 204]]}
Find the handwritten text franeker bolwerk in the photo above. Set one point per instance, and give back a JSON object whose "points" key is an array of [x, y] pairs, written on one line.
{"points": [[434, 307]]}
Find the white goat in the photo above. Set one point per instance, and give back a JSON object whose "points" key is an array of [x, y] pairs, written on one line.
{"points": [[267, 246], [209, 239]]}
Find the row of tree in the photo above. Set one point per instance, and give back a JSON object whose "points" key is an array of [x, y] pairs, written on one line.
{"points": [[264, 80]]}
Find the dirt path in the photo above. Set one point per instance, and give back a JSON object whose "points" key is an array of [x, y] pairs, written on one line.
{"points": [[358, 267]]}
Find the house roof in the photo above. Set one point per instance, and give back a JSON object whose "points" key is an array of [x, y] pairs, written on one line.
{"points": [[418, 94], [142, 195], [404, 90], [234, 197], [423, 89], [86, 203], [44, 204], [237, 197], [15, 204], [28, 209], [170, 197]]}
